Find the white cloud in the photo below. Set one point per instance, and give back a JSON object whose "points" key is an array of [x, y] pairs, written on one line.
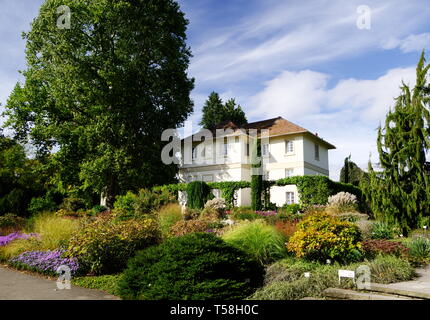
{"points": [[346, 115], [411, 43]]}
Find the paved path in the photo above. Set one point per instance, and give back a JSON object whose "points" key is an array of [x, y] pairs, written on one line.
{"points": [[15, 285], [420, 284]]}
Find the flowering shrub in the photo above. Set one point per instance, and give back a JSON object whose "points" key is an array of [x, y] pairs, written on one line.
{"points": [[372, 248], [14, 236], [323, 236], [215, 204], [104, 246], [343, 201], [45, 262]]}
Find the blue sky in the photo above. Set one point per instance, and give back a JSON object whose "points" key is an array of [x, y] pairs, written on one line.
{"points": [[304, 60]]}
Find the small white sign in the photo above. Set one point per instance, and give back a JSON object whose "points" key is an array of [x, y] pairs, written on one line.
{"points": [[347, 274], [307, 274]]}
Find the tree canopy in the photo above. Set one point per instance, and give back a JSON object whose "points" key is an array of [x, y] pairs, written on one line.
{"points": [[351, 173], [400, 190], [215, 112], [99, 95]]}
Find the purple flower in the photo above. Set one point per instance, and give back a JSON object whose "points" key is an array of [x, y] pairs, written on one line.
{"points": [[4, 240], [45, 261]]}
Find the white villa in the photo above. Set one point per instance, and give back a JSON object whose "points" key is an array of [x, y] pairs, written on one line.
{"points": [[223, 154]]}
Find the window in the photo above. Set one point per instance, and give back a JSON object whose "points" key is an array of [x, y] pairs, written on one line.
{"points": [[236, 139], [289, 173], [265, 150], [247, 149], [317, 152], [204, 152], [194, 153], [289, 146], [290, 198], [224, 148]]}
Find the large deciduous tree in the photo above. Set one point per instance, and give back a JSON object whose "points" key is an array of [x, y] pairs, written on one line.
{"points": [[100, 93], [400, 190], [215, 112]]}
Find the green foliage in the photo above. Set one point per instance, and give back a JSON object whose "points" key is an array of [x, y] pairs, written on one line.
{"points": [[107, 283], [11, 222], [400, 191], [256, 176], [285, 280], [143, 204], [168, 216], [41, 204], [182, 228], [73, 204], [382, 230], [103, 91], [198, 193], [104, 246], [193, 267], [241, 213], [419, 250], [98, 209], [323, 236], [215, 112], [351, 173], [261, 241]]}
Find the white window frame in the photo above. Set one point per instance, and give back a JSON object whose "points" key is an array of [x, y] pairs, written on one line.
{"points": [[289, 146], [290, 197]]}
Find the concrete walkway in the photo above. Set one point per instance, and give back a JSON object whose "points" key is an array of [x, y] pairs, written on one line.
{"points": [[15, 285], [420, 284]]}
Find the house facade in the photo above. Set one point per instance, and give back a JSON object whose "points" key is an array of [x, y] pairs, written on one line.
{"points": [[224, 154]]}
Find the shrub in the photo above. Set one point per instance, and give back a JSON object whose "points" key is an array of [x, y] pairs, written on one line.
{"points": [[44, 262], [260, 240], [190, 214], [287, 228], [193, 267], [382, 230], [198, 193], [104, 246], [143, 204], [182, 228], [343, 202], [322, 236], [419, 250], [42, 204], [106, 283], [390, 269], [372, 248], [290, 208], [217, 206], [10, 223], [365, 227], [352, 216], [168, 216], [244, 214], [98, 209], [73, 204]]}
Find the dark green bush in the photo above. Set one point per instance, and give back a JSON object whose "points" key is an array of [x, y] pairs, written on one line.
{"points": [[193, 267], [198, 193], [73, 204], [41, 204]]}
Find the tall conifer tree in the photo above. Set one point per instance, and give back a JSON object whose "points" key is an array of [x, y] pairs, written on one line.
{"points": [[400, 191]]}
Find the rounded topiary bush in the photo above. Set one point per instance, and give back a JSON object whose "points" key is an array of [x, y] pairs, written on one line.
{"points": [[197, 266]]}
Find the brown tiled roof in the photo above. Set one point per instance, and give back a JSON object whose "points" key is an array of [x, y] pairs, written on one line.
{"points": [[276, 126]]}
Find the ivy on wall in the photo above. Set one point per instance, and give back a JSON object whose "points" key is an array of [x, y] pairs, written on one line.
{"points": [[313, 190]]}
